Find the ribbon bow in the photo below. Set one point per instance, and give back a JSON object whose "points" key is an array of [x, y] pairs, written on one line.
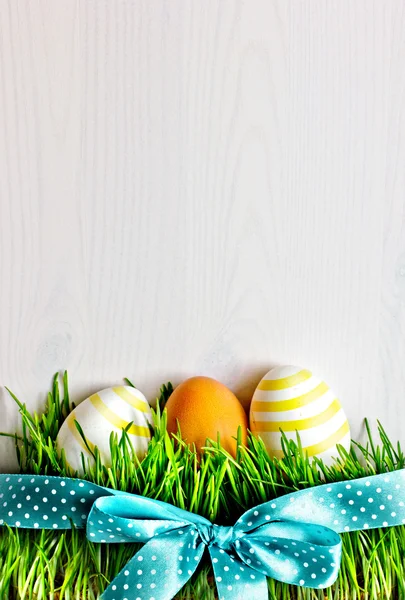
{"points": [[293, 538]]}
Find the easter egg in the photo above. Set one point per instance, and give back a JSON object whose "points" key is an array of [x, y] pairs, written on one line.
{"points": [[110, 410], [204, 408], [295, 400]]}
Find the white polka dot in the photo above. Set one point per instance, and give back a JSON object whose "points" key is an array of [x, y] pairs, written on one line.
{"points": [[26, 516], [385, 524], [351, 501], [347, 528], [313, 576], [340, 495], [256, 512], [378, 490], [373, 516], [45, 517], [301, 582], [348, 486], [382, 507], [140, 558], [125, 586], [359, 493], [17, 523], [389, 497], [229, 587], [366, 526], [306, 564], [362, 509], [226, 568], [354, 518]]}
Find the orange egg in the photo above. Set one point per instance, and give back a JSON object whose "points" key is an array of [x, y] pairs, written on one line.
{"points": [[204, 408]]}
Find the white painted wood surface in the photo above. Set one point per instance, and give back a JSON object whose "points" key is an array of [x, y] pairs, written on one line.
{"points": [[203, 188]]}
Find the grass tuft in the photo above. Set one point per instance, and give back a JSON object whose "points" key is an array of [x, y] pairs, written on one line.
{"points": [[39, 565]]}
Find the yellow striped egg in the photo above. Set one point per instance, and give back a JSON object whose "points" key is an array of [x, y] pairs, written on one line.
{"points": [[110, 410], [295, 400]]}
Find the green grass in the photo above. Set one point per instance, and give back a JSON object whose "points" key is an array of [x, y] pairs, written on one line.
{"points": [[66, 566]]}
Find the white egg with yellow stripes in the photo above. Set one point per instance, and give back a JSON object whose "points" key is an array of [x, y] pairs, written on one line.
{"points": [[110, 410], [294, 400]]}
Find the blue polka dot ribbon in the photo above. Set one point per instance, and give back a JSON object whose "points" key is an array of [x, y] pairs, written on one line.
{"points": [[293, 538]]}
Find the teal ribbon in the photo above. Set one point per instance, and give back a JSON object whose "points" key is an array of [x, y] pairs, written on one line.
{"points": [[293, 538]]}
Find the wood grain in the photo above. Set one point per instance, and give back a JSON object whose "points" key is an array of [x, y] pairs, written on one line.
{"points": [[203, 188]]}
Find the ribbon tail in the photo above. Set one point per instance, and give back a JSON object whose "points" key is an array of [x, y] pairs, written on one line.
{"points": [[160, 568], [235, 580]]}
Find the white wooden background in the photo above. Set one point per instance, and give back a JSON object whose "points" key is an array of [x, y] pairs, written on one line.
{"points": [[203, 187]]}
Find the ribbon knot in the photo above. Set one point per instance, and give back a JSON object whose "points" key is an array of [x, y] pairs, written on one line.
{"points": [[222, 537]]}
